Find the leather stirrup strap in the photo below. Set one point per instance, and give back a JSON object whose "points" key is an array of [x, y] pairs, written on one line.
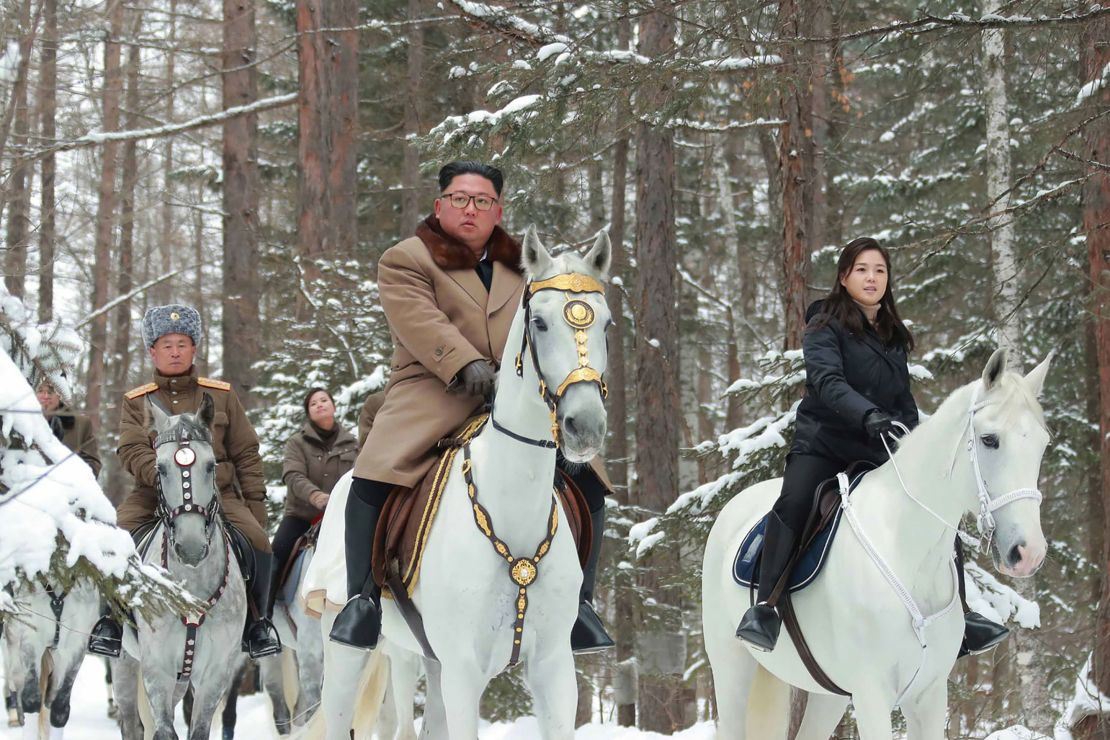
{"points": [[799, 547], [790, 618], [411, 615]]}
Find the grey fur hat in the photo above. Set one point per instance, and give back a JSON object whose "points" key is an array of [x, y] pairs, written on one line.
{"points": [[172, 319]]}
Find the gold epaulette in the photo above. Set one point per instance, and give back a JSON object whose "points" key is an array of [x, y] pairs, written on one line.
{"points": [[142, 390], [217, 384]]}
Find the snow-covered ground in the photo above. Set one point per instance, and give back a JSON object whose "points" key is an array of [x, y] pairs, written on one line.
{"points": [[89, 719]]}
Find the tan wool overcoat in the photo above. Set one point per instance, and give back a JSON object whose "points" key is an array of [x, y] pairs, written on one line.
{"points": [[441, 319]]}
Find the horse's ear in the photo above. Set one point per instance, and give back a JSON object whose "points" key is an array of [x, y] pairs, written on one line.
{"points": [[996, 365], [1035, 377], [535, 258], [160, 421], [600, 255], [207, 411]]}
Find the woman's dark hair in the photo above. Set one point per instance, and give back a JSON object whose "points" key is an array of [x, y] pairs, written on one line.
{"points": [[312, 392], [451, 170], [839, 305]]}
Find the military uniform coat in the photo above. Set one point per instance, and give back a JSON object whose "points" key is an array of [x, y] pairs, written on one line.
{"points": [[77, 435], [238, 465], [311, 465]]}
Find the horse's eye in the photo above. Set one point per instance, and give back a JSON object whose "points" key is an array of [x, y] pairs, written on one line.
{"points": [[608, 325], [540, 324], [161, 468], [990, 441], [210, 467]]}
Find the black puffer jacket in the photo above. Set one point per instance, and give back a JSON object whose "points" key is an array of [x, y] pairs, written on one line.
{"points": [[847, 376]]}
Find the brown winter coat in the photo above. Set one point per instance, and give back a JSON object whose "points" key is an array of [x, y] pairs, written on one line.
{"points": [[77, 435], [441, 319], [238, 465], [370, 409], [314, 465]]}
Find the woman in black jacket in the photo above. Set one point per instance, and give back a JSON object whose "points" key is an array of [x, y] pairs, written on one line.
{"points": [[857, 392]]}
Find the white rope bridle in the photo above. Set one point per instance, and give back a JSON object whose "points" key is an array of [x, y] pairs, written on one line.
{"points": [[986, 524]]}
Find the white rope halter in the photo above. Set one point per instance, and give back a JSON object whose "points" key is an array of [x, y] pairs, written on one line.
{"points": [[987, 504], [986, 524]]}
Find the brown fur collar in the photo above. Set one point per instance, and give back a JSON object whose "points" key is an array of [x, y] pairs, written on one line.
{"points": [[451, 254]]}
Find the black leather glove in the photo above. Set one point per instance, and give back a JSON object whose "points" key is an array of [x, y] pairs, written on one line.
{"points": [[475, 379], [878, 422]]}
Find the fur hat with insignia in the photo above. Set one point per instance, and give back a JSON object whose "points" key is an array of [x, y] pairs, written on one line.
{"points": [[172, 319]]}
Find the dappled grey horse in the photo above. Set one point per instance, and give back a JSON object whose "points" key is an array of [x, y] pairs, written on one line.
{"points": [[169, 651]]}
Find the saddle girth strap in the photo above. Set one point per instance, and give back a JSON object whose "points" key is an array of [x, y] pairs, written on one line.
{"points": [[523, 571], [57, 604], [411, 615], [794, 628]]}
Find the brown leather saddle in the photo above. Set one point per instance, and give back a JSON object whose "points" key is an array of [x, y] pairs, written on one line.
{"points": [[408, 515], [304, 542]]}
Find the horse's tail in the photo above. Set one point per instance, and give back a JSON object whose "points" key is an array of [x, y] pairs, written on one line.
{"points": [[290, 683], [46, 670], [142, 705], [768, 706], [371, 693]]}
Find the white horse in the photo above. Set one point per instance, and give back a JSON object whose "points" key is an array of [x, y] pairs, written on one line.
{"points": [[981, 451], [44, 646], [294, 678], [480, 608], [173, 652]]}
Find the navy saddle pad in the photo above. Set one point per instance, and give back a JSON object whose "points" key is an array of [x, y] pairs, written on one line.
{"points": [[745, 569]]}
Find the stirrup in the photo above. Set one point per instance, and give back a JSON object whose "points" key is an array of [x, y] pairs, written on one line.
{"points": [[106, 638], [588, 634], [262, 639], [358, 625], [759, 627]]}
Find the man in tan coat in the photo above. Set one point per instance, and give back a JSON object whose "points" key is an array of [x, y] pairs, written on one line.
{"points": [[450, 294], [370, 408], [171, 334]]}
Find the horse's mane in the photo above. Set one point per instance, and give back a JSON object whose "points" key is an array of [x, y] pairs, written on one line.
{"points": [[566, 261], [192, 426]]}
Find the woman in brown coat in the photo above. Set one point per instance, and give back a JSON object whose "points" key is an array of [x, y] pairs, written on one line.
{"points": [[74, 430], [315, 458]]}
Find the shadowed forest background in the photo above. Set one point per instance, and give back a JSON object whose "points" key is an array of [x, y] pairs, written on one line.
{"points": [[254, 159]]}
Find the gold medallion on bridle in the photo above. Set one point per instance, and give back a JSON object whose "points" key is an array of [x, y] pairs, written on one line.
{"points": [[578, 314], [524, 572]]}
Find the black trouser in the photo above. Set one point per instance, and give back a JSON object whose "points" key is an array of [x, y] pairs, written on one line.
{"points": [[291, 529], [799, 482]]}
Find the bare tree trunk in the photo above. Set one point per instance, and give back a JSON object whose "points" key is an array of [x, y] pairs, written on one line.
{"points": [[662, 650], [616, 377], [105, 214], [167, 242], [121, 355], [328, 123], [19, 186], [796, 167], [26, 44], [411, 202], [1035, 701], [48, 83], [241, 324], [199, 303], [1094, 57]]}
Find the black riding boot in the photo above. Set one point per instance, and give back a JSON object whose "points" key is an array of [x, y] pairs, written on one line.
{"points": [[761, 623], [360, 622], [980, 633], [588, 634], [260, 637], [107, 636]]}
